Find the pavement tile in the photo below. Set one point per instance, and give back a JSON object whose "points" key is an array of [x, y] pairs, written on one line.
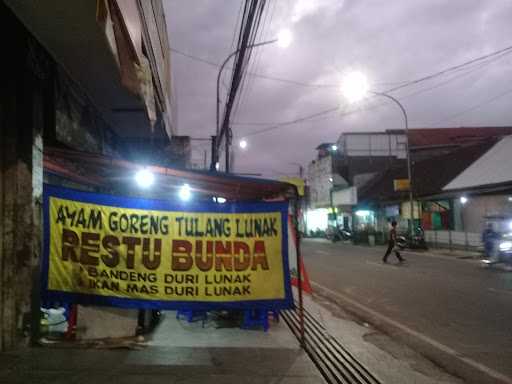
{"points": [[224, 356]]}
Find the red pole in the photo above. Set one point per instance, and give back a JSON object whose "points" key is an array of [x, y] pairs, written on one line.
{"points": [[71, 331], [299, 274]]}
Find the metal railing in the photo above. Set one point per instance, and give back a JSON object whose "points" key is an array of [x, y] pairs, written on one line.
{"points": [[335, 362], [454, 239]]}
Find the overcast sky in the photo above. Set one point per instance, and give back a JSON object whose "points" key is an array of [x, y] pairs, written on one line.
{"points": [[390, 41]]}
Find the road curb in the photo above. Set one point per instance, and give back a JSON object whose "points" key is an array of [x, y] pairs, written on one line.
{"points": [[450, 360]]}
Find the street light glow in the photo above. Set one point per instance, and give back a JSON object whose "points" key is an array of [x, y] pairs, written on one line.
{"points": [[463, 199], [217, 166], [144, 178], [334, 147], [185, 192], [243, 143], [284, 38], [354, 86]]}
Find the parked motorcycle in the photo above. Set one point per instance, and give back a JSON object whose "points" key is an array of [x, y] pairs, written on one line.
{"points": [[335, 234], [417, 242]]}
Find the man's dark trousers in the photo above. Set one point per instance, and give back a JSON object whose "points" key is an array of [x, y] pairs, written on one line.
{"points": [[391, 245]]}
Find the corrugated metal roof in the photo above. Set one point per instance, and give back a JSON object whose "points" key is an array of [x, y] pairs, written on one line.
{"points": [[117, 174], [494, 167]]}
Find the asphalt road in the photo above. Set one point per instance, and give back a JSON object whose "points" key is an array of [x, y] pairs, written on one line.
{"points": [[452, 301]]}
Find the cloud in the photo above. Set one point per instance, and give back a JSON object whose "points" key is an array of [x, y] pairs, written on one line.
{"points": [[389, 41]]}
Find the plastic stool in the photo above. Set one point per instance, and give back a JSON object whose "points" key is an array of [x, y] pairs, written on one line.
{"points": [[191, 315], [254, 318]]}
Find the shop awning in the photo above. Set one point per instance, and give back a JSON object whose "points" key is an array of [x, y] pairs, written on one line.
{"points": [[111, 173]]}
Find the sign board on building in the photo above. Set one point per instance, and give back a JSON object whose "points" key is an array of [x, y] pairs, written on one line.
{"points": [[297, 181], [392, 211], [141, 253], [401, 185]]}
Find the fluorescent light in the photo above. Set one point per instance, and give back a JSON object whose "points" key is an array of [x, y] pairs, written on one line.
{"points": [[185, 192], [144, 178]]}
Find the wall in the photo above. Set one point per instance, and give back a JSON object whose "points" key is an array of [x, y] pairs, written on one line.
{"points": [[320, 172], [372, 144], [471, 216], [346, 196], [24, 114], [155, 39], [352, 166], [39, 105]]}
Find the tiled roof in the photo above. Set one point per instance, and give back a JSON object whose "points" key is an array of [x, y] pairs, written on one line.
{"points": [[429, 176], [422, 137]]}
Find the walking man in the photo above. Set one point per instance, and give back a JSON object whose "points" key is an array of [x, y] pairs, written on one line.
{"points": [[391, 244]]}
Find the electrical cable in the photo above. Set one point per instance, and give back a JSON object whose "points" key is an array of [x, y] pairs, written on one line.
{"points": [[492, 58], [470, 109]]}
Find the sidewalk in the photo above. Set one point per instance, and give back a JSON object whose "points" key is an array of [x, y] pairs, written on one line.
{"points": [[177, 352], [388, 360]]}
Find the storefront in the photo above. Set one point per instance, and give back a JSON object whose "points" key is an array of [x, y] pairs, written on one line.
{"points": [[437, 215], [316, 220]]}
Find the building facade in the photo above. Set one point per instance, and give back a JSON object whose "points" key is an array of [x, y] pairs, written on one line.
{"points": [[95, 75]]}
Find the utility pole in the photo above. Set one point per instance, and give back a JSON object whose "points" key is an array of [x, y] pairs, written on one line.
{"points": [[214, 154]]}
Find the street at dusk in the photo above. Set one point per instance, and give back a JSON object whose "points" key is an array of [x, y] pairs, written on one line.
{"points": [[452, 301], [256, 191]]}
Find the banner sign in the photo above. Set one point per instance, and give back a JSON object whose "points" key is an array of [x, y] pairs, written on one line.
{"points": [[401, 185], [141, 253]]}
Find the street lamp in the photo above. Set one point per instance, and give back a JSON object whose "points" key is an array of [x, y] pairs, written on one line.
{"points": [[243, 144], [283, 40], [355, 88]]}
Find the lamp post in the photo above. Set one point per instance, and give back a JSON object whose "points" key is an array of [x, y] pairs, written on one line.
{"points": [[408, 154], [355, 88], [283, 39]]}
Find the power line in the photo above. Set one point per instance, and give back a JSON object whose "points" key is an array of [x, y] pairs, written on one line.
{"points": [[261, 76], [494, 56], [470, 109], [505, 50], [296, 121]]}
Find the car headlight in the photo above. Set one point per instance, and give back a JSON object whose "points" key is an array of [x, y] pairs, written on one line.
{"points": [[506, 246]]}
